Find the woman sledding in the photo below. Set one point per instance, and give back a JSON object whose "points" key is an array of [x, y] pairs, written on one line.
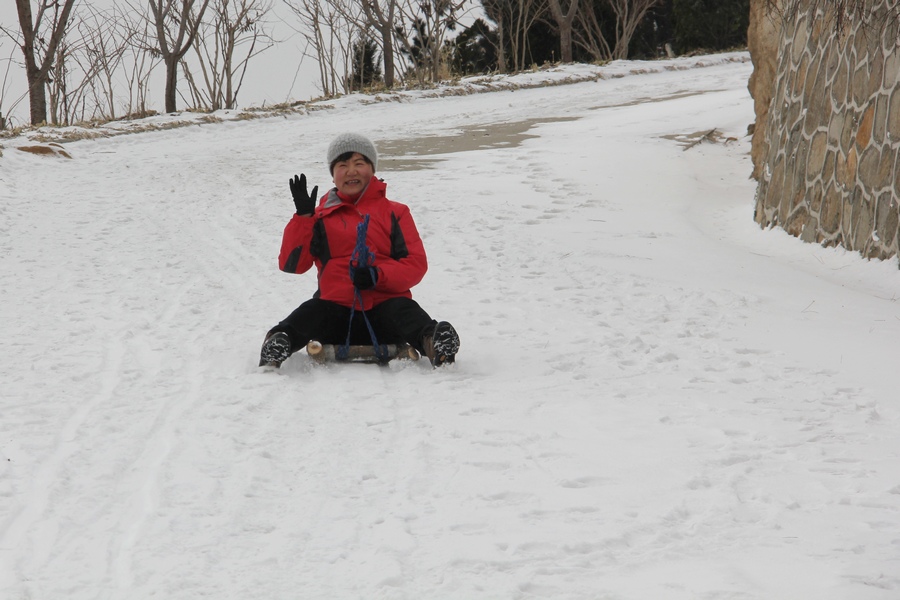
{"points": [[354, 289]]}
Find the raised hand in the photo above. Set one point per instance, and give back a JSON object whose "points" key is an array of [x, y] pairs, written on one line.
{"points": [[305, 202]]}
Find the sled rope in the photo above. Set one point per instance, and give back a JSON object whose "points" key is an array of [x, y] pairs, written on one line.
{"points": [[362, 258]]}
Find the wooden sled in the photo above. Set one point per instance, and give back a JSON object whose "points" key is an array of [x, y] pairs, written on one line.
{"points": [[362, 354]]}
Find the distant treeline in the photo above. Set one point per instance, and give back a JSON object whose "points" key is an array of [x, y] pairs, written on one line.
{"points": [[599, 32], [93, 60]]}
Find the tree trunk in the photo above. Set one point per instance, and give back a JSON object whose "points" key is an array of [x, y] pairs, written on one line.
{"points": [[37, 96], [564, 24], [387, 40], [383, 22], [565, 42], [171, 83], [38, 74], [37, 100], [501, 48]]}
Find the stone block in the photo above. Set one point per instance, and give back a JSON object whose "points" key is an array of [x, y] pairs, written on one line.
{"points": [[881, 177], [785, 52], [887, 221], [879, 125], [864, 132], [828, 167], [810, 232], [776, 185], [876, 71], [862, 89], [863, 221], [814, 198], [847, 131], [891, 69], [818, 147], [798, 44], [889, 37], [830, 215], [780, 96], [798, 163], [896, 177], [845, 171], [794, 118], [832, 62], [872, 40], [893, 121], [792, 147], [841, 85], [802, 73], [835, 128], [814, 103], [846, 225], [776, 149], [868, 166], [795, 223], [798, 194]]}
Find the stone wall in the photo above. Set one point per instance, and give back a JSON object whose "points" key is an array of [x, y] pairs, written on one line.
{"points": [[827, 149]]}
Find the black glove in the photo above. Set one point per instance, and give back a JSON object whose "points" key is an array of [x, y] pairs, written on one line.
{"points": [[365, 279], [305, 203]]}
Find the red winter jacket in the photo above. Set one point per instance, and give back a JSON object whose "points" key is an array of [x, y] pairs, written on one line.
{"points": [[328, 238]]}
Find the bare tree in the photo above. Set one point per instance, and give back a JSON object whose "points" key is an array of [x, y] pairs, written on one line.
{"points": [[234, 24], [564, 19], [15, 37], [432, 20], [107, 36], [590, 36], [493, 9], [629, 14], [330, 28], [385, 19], [175, 25], [141, 59], [525, 13], [88, 62], [73, 77], [514, 18], [40, 49], [60, 100], [82, 85]]}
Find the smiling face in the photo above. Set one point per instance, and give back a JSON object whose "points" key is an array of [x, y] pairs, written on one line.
{"points": [[351, 176]]}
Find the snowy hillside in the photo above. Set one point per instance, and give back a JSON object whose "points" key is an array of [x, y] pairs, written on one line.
{"points": [[654, 398]]}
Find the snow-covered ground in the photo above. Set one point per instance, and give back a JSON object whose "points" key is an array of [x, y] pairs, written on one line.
{"points": [[654, 398]]}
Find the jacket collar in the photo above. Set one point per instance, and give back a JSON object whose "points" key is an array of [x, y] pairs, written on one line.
{"points": [[375, 190]]}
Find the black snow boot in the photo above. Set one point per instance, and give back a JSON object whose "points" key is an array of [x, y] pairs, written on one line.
{"points": [[275, 350], [441, 344]]}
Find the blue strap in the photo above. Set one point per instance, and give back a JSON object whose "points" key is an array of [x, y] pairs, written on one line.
{"points": [[362, 258]]}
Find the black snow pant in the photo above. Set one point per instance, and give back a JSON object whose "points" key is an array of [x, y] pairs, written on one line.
{"points": [[394, 321]]}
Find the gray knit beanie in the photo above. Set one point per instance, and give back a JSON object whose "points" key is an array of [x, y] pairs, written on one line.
{"points": [[352, 142]]}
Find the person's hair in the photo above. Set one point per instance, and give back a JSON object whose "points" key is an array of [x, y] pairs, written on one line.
{"points": [[345, 157]]}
